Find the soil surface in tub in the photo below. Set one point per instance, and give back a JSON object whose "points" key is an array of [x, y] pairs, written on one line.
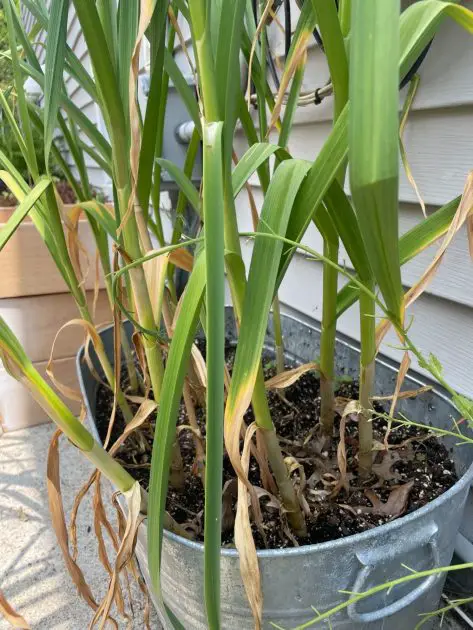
{"points": [[414, 469]]}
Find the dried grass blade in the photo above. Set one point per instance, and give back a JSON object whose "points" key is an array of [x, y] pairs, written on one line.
{"points": [[463, 214], [244, 542], [58, 520], [10, 614], [401, 375], [289, 377], [75, 510], [91, 332], [146, 408], [125, 552], [414, 84], [297, 60]]}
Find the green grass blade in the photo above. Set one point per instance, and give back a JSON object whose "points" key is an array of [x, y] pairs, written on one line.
{"points": [[73, 66], [185, 91], [56, 153], [322, 173], [90, 130], [374, 139], [176, 367], [108, 87], [99, 212], [182, 199], [227, 67], [291, 105], [30, 154], [155, 108], [418, 238], [215, 358], [97, 157], [420, 22], [184, 183], [261, 287], [344, 218], [252, 159], [327, 19], [127, 32], [108, 17], [22, 210], [71, 137], [10, 117], [55, 56]]}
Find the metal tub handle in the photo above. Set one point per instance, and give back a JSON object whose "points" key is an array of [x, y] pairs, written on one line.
{"points": [[370, 560]]}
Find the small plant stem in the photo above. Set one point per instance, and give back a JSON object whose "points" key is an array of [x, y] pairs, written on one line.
{"points": [[330, 28], [176, 474], [284, 483], [196, 435], [278, 338], [327, 338], [75, 430], [367, 374], [129, 362]]}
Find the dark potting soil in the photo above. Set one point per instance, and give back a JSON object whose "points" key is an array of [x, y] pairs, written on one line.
{"points": [[414, 469]]}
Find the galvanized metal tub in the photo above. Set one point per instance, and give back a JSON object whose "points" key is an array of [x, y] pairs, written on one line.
{"points": [[295, 580]]}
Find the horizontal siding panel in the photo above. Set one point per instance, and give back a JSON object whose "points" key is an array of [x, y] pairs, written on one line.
{"points": [[453, 280], [438, 326], [438, 144]]}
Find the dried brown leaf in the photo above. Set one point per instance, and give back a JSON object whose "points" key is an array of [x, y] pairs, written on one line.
{"points": [[414, 84], [396, 503], [289, 377], [58, 520], [352, 408], [125, 552], [101, 520], [407, 393], [75, 510], [261, 23], [145, 409], [90, 330], [249, 568], [155, 273], [74, 244], [10, 614], [462, 215], [383, 470], [182, 259], [261, 457], [298, 59]]}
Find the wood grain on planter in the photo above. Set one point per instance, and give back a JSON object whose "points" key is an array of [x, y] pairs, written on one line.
{"points": [[36, 319], [27, 266], [18, 410]]}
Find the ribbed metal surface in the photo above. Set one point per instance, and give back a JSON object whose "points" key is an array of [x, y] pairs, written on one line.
{"points": [[295, 580]]}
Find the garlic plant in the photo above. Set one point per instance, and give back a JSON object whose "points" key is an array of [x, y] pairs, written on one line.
{"points": [[370, 46]]}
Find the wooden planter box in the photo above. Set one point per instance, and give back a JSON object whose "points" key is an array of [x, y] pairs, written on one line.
{"points": [[35, 303]]}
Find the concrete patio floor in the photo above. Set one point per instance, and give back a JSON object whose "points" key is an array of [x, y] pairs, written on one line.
{"points": [[33, 576]]}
